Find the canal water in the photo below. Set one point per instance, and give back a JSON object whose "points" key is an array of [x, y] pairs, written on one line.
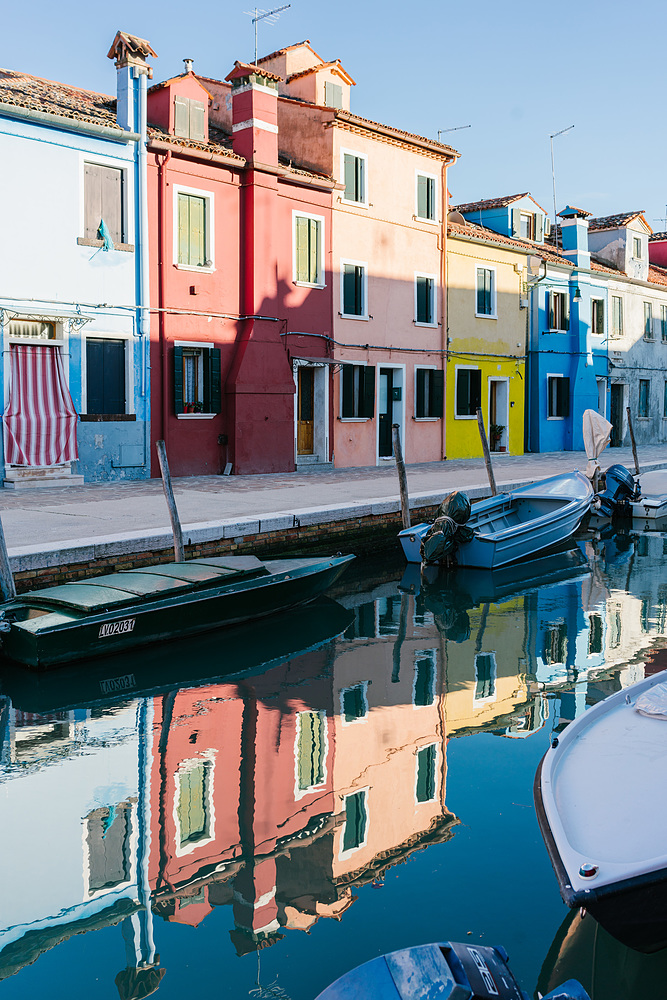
{"points": [[253, 813]]}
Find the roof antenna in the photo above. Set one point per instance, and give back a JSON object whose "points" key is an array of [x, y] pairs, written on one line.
{"points": [[259, 14], [457, 128]]}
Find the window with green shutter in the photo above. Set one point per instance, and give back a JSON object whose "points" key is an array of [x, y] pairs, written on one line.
{"points": [[354, 288], [648, 321], [485, 291], [468, 391], [644, 397], [429, 392], [425, 300], [426, 758], [189, 119], [310, 751], [308, 250], [192, 235], [197, 379], [426, 197], [356, 820], [333, 95], [193, 802], [358, 391], [424, 682], [485, 676], [353, 703], [354, 176]]}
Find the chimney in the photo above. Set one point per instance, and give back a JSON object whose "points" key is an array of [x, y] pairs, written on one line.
{"points": [[130, 55], [574, 235], [254, 113]]}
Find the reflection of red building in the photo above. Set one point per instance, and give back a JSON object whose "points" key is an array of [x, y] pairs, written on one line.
{"points": [[238, 234]]}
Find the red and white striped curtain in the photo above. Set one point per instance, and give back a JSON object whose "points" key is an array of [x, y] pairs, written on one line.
{"points": [[40, 419]]}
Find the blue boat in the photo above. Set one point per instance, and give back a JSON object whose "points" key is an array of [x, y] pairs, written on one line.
{"points": [[443, 971], [516, 525]]}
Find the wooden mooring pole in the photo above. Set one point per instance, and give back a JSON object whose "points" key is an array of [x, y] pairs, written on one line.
{"points": [[632, 439], [179, 551], [6, 576], [402, 478], [487, 453]]}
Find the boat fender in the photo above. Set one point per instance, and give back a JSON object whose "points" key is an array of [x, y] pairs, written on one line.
{"points": [[5, 623], [554, 742]]}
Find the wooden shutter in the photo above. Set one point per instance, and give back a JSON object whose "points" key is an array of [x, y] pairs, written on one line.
{"points": [[212, 381], [563, 397], [347, 376], [420, 403], [539, 227], [422, 196], [183, 229], [301, 237], [105, 376], [333, 95], [112, 201], [368, 397], [350, 173], [313, 251], [551, 308], [436, 408], [430, 198], [462, 392], [360, 178], [475, 391], [566, 311], [422, 300], [92, 200], [181, 117], [94, 376], [516, 222], [198, 121], [197, 241], [178, 379]]}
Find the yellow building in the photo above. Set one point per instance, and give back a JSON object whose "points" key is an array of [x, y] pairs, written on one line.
{"points": [[487, 327]]}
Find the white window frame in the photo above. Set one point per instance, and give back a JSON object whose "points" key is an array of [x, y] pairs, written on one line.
{"points": [[434, 303], [564, 293], [494, 292], [207, 758], [127, 187], [531, 217], [491, 698], [360, 156], [425, 802], [348, 853], [435, 221], [637, 240], [612, 332], [209, 214], [474, 368], [548, 376], [431, 368], [129, 365], [296, 213], [133, 841], [364, 694], [364, 291]]}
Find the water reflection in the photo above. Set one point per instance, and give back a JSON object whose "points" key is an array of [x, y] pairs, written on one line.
{"points": [[275, 773]]}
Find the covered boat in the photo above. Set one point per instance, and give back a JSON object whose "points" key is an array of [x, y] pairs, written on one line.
{"points": [[516, 525], [117, 611], [444, 971], [599, 796]]}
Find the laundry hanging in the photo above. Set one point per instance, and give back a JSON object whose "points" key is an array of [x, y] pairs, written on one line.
{"points": [[40, 419]]}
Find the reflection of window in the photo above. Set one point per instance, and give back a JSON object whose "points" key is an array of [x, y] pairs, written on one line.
{"points": [[363, 626], [594, 634], [424, 685], [353, 702], [356, 820], [615, 627], [485, 676], [646, 615], [310, 749], [426, 773], [197, 384], [555, 643], [389, 612], [641, 545], [108, 831], [193, 795]]}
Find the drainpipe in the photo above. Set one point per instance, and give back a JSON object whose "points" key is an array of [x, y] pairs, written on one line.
{"points": [[162, 161], [144, 261], [533, 328], [444, 322]]}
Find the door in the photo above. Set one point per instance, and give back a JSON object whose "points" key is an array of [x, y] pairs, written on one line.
{"points": [[498, 430], [385, 412], [616, 416], [305, 435]]}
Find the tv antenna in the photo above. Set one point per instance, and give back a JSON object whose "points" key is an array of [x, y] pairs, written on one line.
{"points": [[457, 128], [553, 177], [663, 220], [259, 14]]}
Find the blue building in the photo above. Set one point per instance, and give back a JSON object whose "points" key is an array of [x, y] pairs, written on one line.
{"points": [[74, 298]]}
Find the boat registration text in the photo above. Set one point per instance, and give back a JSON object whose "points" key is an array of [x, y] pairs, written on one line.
{"points": [[117, 628]]}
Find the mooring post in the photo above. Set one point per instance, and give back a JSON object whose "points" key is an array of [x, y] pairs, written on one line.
{"points": [[6, 576], [487, 453], [179, 552], [402, 478], [632, 439]]}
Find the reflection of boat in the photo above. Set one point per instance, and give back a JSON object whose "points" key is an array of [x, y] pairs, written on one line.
{"points": [[106, 614], [607, 969], [181, 663], [516, 525], [446, 969], [599, 794]]}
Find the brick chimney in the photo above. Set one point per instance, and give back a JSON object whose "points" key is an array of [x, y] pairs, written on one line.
{"points": [[574, 235], [254, 113], [130, 54]]}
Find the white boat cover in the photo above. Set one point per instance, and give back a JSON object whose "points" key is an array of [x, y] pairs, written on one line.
{"points": [[597, 435], [654, 702]]}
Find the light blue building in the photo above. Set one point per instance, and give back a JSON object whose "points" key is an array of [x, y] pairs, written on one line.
{"points": [[74, 296]]}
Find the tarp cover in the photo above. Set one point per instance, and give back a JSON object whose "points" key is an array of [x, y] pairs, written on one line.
{"points": [[654, 702], [597, 435], [40, 419]]}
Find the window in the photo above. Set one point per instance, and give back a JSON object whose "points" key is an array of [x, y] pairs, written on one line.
{"points": [[310, 750], [193, 802], [308, 250], [468, 391], [555, 644], [197, 385], [32, 329], [103, 201], [527, 226], [644, 396], [354, 178], [333, 95], [597, 316], [486, 292], [424, 684], [558, 392], [389, 614], [105, 375], [426, 758], [425, 299], [108, 833], [190, 119], [559, 311], [353, 299], [485, 676], [358, 391], [353, 703], [616, 316], [663, 323], [637, 248], [429, 392], [192, 230], [594, 634], [648, 321], [356, 821], [426, 197]]}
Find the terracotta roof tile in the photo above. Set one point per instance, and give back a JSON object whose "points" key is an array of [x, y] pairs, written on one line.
{"points": [[480, 206], [473, 231], [616, 221], [245, 69], [219, 141], [408, 136], [336, 64], [35, 94], [657, 237], [657, 275]]}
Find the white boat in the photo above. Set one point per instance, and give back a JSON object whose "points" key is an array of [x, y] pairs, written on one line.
{"points": [[652, 503], [602, 809], [518, 524]]}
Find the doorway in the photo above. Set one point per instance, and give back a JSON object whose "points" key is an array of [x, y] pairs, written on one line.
{"points": [[616, 415], [305, 435], [385, 412], [499, 414]]}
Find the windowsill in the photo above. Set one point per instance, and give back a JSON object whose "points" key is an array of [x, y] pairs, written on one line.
{"points": [[195, 416], [465, 416], [649, 340], [556, 418], [486, 315], [642, 418], [556, 331], [364, 319], [308, 284], [106, 417], [127, 247], [429, 222], [354, 420], [197, 268], [426, 326], [426, 420], [354, 204]]}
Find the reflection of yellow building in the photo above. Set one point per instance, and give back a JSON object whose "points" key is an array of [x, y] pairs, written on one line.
{"points": [[487, 326]]}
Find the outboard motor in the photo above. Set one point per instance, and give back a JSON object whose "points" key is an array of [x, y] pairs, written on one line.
{"points": [[620, 491]]}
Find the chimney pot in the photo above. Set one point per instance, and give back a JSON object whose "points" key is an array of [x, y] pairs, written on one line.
{"points": [[188, 65]]}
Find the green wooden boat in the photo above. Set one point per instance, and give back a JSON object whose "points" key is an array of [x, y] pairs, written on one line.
{"points": [[108, 614]]}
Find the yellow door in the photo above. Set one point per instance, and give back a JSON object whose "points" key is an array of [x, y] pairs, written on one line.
{"points": [[305, 409]]}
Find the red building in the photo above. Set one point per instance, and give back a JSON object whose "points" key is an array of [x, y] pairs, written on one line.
{"points": [[239, 266]]}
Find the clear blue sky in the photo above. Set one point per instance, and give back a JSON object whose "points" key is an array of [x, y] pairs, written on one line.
{"points": [[515, 71]]}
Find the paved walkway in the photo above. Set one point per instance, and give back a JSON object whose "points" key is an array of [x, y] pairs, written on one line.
{"points": [[54, 519]]}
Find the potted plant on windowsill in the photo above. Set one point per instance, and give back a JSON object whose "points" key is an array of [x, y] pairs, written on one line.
{"points": [[198, 407], [495, 435]]}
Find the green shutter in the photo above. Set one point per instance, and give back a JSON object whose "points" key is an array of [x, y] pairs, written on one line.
{"points": [[368, 400], [347, 375], [310, 749], [350, 177], [566, 311], [422, 196], [360, 179], [349, 289], [178, 379], [516, 222], [420, 404], [212, 381], [313, 251], [426, 774], [181, 117], [354, 831], [301, 248], [198, 121], [539, 227], [430, 198], [197, 236], [183, 229], [551, 310], [436, 408]]}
